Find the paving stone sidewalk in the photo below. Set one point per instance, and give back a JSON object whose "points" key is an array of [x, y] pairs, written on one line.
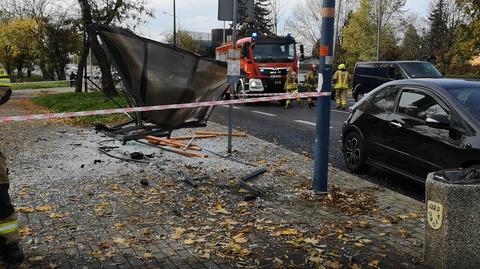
{"points": [[82, 209]]}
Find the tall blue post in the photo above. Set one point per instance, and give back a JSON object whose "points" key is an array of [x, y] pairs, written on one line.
{"points": [[320, 177]]}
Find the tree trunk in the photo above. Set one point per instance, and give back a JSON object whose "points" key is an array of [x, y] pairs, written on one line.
{"points": [[29, 71], [101, 56], [81, 67], [102, 60], [20, 72]]}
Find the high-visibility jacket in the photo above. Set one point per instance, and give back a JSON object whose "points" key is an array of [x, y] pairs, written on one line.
{"points": [[4, 79], [341, 79], [291, 82], [312, 81]]}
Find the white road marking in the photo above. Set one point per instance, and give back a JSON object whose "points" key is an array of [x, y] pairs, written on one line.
{"points": [[340, 111], [234, 107], [309, 123], [264, 113]]}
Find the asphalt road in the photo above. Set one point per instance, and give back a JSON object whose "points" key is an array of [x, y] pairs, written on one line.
{"points": [[295, 129]]}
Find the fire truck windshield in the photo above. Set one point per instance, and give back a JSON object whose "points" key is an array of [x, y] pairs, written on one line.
{"points": [[274, 52]]}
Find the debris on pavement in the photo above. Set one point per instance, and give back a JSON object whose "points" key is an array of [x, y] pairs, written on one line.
{"points": [[100, 216]]}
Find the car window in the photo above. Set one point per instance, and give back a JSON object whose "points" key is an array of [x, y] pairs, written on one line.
{"points": [[398, 73], [419, 105], [385, 98]]}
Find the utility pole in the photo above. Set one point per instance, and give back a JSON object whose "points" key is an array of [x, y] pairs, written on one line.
{"points": [[174, 25], [337, 22], [320, 173], [379, 26], [234, 86]]}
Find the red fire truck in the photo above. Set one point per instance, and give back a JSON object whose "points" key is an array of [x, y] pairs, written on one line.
{"points": [[264, 62]]}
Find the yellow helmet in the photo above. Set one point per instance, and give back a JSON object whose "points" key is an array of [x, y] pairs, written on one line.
{"points": [[341, 66]]}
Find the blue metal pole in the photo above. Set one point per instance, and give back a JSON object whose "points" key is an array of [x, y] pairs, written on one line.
{"points": [[320, 177]]}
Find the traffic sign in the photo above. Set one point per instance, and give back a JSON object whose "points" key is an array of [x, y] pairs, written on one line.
{"points": [[225, 9]]}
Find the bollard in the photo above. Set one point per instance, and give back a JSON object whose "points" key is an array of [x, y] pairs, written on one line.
{"points": [[452, 226]]}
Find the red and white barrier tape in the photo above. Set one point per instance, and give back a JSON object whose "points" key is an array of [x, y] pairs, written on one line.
{"points": [[160, 107], [261, 94]]}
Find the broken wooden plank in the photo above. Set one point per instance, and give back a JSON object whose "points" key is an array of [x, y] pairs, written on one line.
{"points": [[181, 152], [175, 144], [221, 134], [192, 136]]}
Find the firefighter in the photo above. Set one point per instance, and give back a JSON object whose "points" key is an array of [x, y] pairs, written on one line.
{"points": [[291, 86], [341, 80], [10, 249], [312, 84]]}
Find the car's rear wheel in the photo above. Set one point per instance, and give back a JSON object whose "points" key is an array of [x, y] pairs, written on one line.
{"points": [[354, 153]]}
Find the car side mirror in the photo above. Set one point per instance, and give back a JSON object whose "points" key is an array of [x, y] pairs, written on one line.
{"points": [[438, 121]]}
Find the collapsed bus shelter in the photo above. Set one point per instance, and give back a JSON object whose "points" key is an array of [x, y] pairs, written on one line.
{"points": [[154, 73]]}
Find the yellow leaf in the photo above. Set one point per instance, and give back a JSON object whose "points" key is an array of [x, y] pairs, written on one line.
{"points": [[189, 241], [240, 238], [35, 259], [148, 255], [312, 241], [336, 265], [374, 263], [289, 232], [278, 261], [119, 225], [44, 208], [26, 210], [121, 241], [316, 259], [56, 216], [25, 231], [355, 266], [178, 233], [220, 209]]}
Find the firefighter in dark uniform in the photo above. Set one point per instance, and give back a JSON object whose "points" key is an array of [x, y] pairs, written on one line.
{"points": [[312, 84], [10, 249]]}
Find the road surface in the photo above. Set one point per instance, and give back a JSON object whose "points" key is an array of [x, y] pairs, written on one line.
{"points": [[295, 129]]}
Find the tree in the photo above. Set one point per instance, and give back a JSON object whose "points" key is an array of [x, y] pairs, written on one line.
{"points": [[466, 42], [276, 9], [127, 13], [439, 35], [411, 47], [360, 33], [306, 22], [56, 36], [186, 42], [18, 45], [261, 22]]}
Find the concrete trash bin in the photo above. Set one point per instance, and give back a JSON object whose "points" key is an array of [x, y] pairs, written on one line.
{"points": [[452, 227]]}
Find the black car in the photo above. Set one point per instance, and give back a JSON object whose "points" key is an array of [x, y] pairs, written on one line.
{"points": [[414, 127], [369, 75]]}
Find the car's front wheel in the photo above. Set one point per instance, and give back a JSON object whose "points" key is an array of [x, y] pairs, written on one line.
{"points": [[354, 153]]}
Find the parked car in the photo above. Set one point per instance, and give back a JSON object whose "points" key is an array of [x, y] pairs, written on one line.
{"points": [[369, 75], [414, 127]]}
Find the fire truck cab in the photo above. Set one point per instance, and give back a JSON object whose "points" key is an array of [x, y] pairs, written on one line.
{"points": [[264, 62]]}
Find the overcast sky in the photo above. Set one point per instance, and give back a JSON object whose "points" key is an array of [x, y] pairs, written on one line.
{"points": [[201, 15]]}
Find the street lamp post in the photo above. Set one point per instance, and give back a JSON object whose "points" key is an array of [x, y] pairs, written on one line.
{"points": [[174, 25], [175, 18]]}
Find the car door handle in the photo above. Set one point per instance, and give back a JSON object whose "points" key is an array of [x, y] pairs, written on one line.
{"points": [[395, 124]]}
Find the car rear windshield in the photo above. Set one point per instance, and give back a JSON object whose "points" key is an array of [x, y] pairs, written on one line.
{"points": [[469, 99], [421, 70]]}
